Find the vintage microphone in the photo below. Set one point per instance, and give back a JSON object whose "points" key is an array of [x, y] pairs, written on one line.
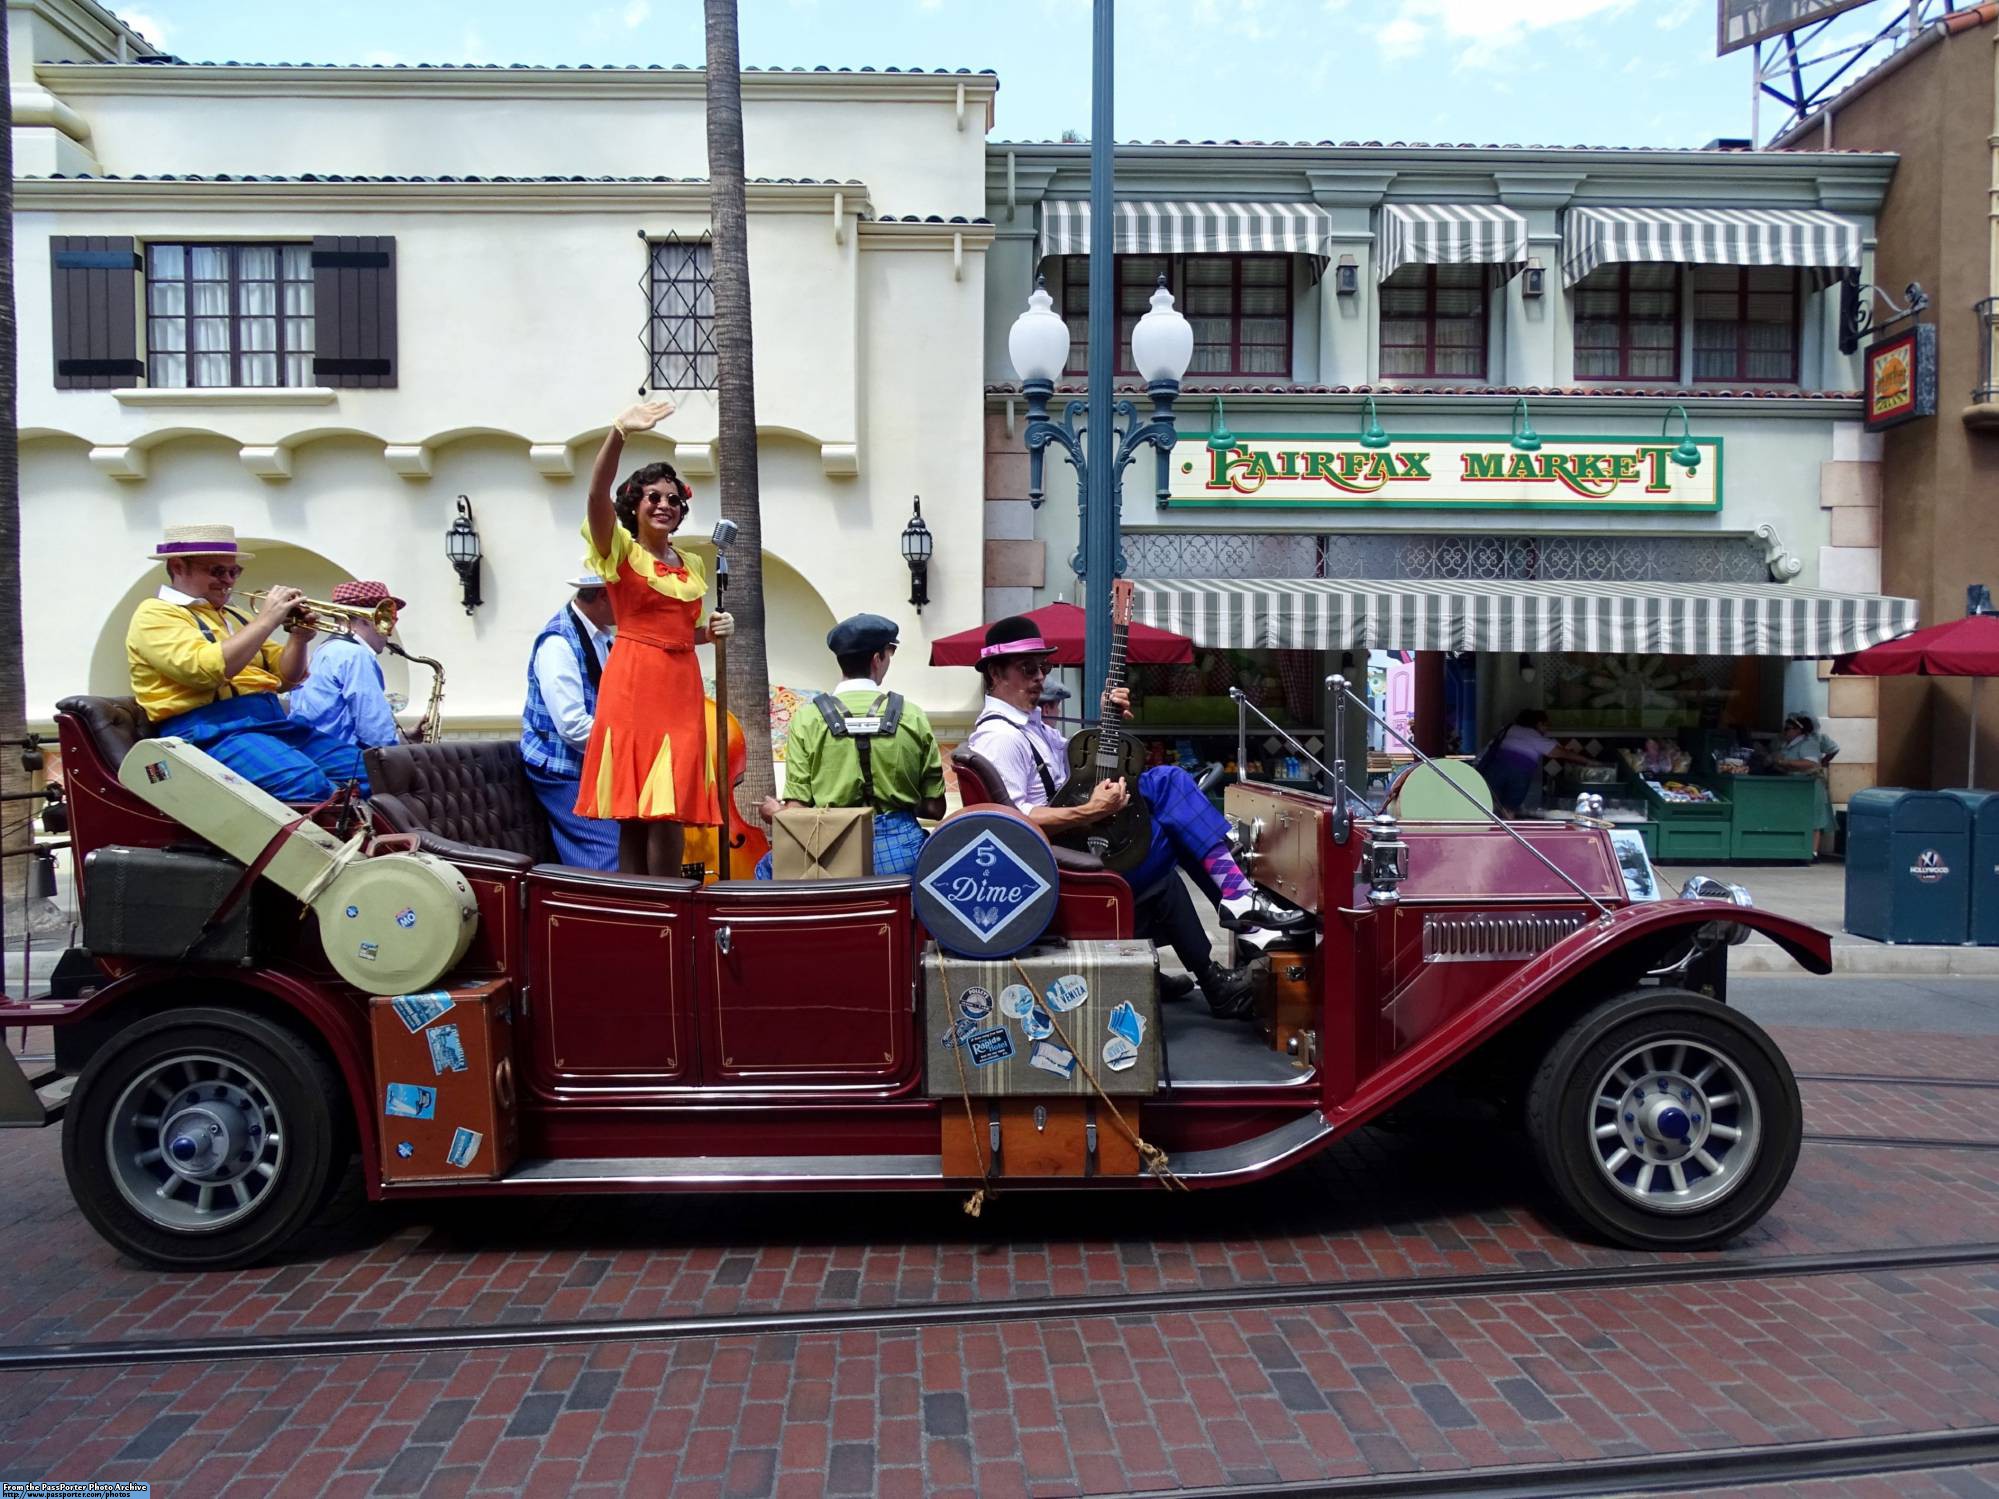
{"points": [[723, 536]]}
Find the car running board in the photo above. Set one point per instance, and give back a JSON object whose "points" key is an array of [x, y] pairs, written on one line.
{"points": [[34, 1096], [1243, 1160]]}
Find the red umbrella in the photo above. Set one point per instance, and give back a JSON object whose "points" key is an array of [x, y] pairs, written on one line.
{"points": [[1061, 625], [1967, 647]]}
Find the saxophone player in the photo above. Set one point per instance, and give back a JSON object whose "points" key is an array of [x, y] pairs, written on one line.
{"points": [[345, 697]]}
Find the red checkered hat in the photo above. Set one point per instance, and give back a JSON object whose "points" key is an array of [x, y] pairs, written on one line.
{"points": [[366, 593]]}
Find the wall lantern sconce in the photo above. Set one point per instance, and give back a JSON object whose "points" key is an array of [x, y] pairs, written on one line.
{"points": [[461, 545], [1525, 439], [1688, 453], [1533, 280], [1371, 435], [916, 545], [1346, 277]]}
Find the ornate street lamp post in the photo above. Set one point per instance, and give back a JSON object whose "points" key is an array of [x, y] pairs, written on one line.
{"points": [[1162, 347]]}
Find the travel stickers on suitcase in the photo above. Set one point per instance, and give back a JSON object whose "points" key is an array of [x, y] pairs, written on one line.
{"points": [[996, 1035], [444, 1065]]}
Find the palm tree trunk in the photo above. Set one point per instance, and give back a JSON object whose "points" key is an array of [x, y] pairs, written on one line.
{"points": [[736, 434], [16, 828]]}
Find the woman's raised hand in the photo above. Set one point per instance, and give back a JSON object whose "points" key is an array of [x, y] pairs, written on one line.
{"points": [[643, 417]]}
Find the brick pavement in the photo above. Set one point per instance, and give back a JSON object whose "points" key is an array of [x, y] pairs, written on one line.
{"points": [[1096, 1405]]}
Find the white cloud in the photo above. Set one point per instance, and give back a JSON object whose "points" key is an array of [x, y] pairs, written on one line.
{"points": [[1480, 29], [1244, 19], [636, 13], [145, 23], [1676, 16]]}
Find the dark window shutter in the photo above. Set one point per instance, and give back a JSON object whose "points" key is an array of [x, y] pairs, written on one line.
{"points": [[354, 311], [94, 284]]}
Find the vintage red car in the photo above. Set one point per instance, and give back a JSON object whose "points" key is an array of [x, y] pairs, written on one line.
{"points": [[647, 1035]]}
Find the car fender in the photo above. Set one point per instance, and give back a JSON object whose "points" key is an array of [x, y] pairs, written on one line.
{"points": [[336, 1025], [1565, 962]]}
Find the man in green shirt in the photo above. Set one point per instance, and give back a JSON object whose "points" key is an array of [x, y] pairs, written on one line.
{"points": [[862, 746]]}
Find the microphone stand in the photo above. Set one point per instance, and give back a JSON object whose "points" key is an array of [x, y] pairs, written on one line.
{"points": [[724, 790]]}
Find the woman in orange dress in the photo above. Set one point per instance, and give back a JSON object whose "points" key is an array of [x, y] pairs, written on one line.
{"points": [[648, 764]]}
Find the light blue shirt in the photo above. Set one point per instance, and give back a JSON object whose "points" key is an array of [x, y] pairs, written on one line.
{"points": [[344, 696]]}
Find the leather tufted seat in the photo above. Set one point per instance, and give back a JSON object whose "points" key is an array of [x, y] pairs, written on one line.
{"points": [[978, 780], [114, 725], [468, 792]]}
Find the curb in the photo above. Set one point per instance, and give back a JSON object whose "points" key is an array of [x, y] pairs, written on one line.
{"points": [[1857, 958]]}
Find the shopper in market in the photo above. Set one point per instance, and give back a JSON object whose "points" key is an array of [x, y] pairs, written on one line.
{"points": [[1512, 763], [1805, 751], [1187, 832]]}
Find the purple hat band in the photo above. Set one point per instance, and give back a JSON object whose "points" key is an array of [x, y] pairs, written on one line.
{"points": [[1031, 646], [197, 548]]}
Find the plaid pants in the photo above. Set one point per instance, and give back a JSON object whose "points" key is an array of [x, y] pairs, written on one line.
{"points": [[252, 736]]}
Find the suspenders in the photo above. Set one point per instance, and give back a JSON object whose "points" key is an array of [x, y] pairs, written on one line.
{"points": [[886, 717], [1040, 765], [227, 688]]}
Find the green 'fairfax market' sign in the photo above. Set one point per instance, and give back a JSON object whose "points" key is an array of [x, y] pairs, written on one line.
{"points": [[1274, 470]]}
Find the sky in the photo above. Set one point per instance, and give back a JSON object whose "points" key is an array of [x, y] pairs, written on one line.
{"points": [[1543, 72]]}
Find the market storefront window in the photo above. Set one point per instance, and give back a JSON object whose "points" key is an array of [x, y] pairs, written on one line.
{"points": [[1628, 323], [1746, 324], [1239, 305], [1433, 323]]}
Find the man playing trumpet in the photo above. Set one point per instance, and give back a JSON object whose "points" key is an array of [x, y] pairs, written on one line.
{"points": [[211, 675]]}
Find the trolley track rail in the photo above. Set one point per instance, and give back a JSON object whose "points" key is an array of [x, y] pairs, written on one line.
{"points": [[1896, 1080], [1718, 1468], [23, 1358]]}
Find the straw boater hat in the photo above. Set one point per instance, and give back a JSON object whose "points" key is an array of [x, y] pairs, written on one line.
{"points": [[200, 541], [365, 593]]}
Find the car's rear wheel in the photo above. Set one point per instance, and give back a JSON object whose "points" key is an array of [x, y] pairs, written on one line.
{"points": [[1664, 1120], [202, 1138]]}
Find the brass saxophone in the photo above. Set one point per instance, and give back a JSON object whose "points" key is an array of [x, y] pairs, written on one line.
{"points": [[433, 714]]}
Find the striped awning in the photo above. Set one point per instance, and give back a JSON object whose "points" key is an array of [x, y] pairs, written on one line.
{"points": [[1809, 237], [1175, 227], [1451, 234], [1673, 619]]}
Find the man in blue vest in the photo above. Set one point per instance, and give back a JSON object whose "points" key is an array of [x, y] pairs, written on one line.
{"points": [[564, 669]]}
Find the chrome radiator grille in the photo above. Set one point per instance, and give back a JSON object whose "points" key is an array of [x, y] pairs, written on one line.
{"points": [[1493, 939]]}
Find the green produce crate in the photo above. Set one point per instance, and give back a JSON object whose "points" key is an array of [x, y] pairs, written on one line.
{"points": [[1773, 817], [1698, 842]]}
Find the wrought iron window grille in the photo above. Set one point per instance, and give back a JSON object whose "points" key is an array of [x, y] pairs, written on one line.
{"points": [[679, 334]]}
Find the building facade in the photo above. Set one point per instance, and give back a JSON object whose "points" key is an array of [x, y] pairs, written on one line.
{"points": [[326, 304], [1519, 330], [1936, 104]]}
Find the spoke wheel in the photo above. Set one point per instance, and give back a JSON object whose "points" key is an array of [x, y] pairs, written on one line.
{"points": [[202, 1138], [1663, 1120]]}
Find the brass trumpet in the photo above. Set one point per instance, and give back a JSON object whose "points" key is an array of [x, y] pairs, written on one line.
{"points": [[328, 618]]}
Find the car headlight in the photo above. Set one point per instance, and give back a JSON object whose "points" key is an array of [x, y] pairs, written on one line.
{"points": [[1705, 887]]}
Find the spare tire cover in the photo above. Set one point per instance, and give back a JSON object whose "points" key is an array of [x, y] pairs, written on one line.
{"points": [[986, 883]]}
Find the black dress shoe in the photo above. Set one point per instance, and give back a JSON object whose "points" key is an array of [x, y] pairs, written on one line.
{"points": [[1230, 992], [1259, 910], [1174, 986]]}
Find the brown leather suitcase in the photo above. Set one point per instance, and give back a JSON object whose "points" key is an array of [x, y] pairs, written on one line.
{"points": [[1053, 1137], [1286, 1004], [444, 1083]]}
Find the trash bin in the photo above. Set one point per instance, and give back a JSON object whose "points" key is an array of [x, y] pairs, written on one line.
{"points": [[1908, 866], [1983, 809]]}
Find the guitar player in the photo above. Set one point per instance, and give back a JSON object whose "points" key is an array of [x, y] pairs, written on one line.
{"points": [[1187, 832]]}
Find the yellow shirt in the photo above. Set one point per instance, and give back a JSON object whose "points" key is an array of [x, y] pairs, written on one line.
{"points": [[175, 668]]}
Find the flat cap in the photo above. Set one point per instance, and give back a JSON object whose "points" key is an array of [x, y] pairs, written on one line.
{"points": [[862, 632]]}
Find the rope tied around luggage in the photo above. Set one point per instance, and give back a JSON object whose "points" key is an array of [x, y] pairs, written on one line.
{"points": [[1155, 1159], [974, 1204]]}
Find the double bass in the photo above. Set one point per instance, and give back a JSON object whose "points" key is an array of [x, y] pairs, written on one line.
{"points": [[747, 840]]}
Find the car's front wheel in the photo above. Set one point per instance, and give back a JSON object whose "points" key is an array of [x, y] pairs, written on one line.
{"points": [[202, 1138], [1664, 1120]]}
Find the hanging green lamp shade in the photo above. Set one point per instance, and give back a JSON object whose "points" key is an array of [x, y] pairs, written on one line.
{"points": [[1688, 453], [1525, 439], [1372, 435], [1220, 439]]}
